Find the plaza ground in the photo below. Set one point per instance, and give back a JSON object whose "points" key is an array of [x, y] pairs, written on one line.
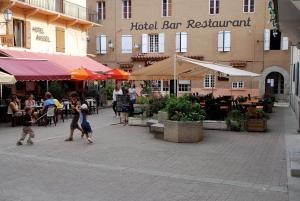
{"points": [[128, 164]]}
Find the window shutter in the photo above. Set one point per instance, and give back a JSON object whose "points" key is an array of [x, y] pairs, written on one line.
{"points": [[103, 48], [60, 39], [144, 43], [178, 38], [98, 44], [227, 41], [161, 43], [267, 39], [27, 34], [127, 44], [221, 41], [183, 42], [284, 43]]}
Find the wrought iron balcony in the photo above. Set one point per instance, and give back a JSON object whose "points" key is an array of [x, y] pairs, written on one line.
{"points": [[65, 7]]}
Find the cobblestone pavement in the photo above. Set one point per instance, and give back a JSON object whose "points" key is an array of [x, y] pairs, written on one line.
{"points": [[127, 163]]}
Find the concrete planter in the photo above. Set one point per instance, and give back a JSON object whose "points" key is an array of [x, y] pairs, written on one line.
{"points": [[183, 131], [256, 125], [162, 116]]}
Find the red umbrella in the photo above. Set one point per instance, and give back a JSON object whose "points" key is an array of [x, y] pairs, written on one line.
{"points": [[85, 74], [117, 74]]}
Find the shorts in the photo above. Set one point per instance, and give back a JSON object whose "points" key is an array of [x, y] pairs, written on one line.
{"points": [[27, 130], [86, 127], [74, 123]]}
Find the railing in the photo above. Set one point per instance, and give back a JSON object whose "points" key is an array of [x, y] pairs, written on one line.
{"points": [[65, 7]]}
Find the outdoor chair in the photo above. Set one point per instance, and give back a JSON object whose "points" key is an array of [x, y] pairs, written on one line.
{"points": [[92, 105], [67, 107], [51, 115]]}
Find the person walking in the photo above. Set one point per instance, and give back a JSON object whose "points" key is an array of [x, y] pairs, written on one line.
{"points": [[75, 106], [27, 130], [117, 91], [132, 95], [85, 125]]}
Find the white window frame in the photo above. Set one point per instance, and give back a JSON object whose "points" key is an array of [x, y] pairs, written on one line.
{"points": [[102, 15], [153, 43], [126, 44], [181, 42], [238, 85], [248, 5], [165, 85], [211, 81], [128, 13], [215, 7], [167, 4], [101, 44], [224, 41], [184, 86]]}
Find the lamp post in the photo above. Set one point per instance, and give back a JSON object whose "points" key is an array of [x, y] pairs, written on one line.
{"points": [[8, 15]]}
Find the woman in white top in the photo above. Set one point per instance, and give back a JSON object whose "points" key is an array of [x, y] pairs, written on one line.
{"points": [[117, 91]]}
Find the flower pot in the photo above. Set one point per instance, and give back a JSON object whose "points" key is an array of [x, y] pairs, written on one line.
{"points": [[162, 116], [256, 125], [183, 131]]}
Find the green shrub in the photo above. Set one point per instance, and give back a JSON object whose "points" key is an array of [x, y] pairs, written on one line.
{"points": [[143, 100], [158, 104], [56, 90], [109, 88], [235, 120], [256, 114], [181, 109]]}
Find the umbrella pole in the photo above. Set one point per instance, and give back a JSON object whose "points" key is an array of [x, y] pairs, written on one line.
{"points": [[1, 90], [47, 85], [174, 68]]}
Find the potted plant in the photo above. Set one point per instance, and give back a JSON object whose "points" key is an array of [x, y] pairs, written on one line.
{"points": [[256, 120], [235, 120], [157, 106], [109, 88], [142, 106], [184, 122]]}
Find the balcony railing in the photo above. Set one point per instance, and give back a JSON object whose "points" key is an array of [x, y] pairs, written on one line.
{"points": [[65, 7]]}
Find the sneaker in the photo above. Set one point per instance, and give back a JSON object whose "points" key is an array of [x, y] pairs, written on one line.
{"points": [[90, 140], [29, 142], [19, 143], [69, 139]]}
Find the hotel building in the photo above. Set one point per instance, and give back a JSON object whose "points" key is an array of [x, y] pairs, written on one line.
{"points": [[137, 33]]}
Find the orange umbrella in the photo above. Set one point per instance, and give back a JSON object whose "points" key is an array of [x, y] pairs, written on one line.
{"points": [[85, 74], [117, 74]]}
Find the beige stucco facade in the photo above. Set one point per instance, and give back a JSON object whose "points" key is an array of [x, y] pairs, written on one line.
{"points": [[247, 38], [40, 26]]}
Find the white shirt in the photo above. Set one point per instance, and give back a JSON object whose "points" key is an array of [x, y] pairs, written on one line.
{"points": [[132, 93], [115, 93]]}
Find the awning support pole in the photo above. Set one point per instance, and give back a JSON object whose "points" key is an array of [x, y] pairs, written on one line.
{"points": [[175, 83], [47, 85]]}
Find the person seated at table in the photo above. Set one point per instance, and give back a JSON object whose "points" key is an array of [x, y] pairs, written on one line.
{"points": [[49, 101], [14, 110], [30, 102]]}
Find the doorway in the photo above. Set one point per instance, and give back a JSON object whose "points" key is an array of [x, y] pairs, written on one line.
{"points": [[274, 85]]}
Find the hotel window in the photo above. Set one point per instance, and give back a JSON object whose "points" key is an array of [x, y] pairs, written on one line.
{"points": [[214, 7], [274, 41], [101, 10], [60, 39], [224, 41], [166, 85], [184, 85], [167, 8], [238, 85], [249, 6], [209, 81], [181, 42], [126, 43], [126, 9], [19, 33], [101, 47], [153, 43], [156, 85]]}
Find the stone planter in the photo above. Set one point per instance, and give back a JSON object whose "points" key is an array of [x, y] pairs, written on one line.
{"points": [[183, 131], [162, 116], [256, 125]]}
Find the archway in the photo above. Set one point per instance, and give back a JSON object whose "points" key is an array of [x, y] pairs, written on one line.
{"points": [[275, 80], [274, 85]]}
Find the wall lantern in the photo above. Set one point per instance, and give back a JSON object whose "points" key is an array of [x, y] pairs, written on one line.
{"points": [[8, 15]]}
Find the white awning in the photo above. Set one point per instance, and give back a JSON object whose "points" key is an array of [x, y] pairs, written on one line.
{"points": [[228, 70], [7, 78]]}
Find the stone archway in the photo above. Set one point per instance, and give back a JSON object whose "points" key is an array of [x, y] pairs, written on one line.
{"points": [[286, 83]]}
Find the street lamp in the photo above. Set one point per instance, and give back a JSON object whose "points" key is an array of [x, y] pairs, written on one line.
{"points": [[7, 15]]}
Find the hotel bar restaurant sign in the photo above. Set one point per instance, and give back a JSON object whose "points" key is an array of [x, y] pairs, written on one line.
{"points": [[190, 24]]}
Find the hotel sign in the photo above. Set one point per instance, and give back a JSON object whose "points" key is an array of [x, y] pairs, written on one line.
{"points": [[7, 40], [40, 34], [189, 24]]}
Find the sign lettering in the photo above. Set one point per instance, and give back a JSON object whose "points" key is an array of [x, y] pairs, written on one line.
{"points": [[7, 40], [190, 24], [40, 34]]}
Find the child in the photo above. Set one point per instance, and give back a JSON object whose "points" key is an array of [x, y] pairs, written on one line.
{"points": [[27, 130], [85, 125]]}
